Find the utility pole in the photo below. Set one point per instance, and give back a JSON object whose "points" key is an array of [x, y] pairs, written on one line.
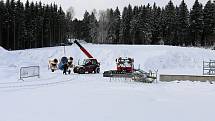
{"points": [[64, 50]]}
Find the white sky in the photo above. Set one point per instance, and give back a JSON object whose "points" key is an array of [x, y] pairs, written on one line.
{"points": [[81, 5]]}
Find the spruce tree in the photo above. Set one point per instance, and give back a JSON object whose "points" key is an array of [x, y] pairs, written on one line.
{"points": [[77, 28], [144, 25], [40, 20], [183, 23], [85, 27], [2, 12], [196, 24], [20, 25], [209, 23], [134, 26], [110, 27], [125, 25], [93, 28], [116, 25], [155, 24], [169, 18]]}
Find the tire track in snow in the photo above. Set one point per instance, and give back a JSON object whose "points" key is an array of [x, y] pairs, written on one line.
{"points": [[40, 83]]}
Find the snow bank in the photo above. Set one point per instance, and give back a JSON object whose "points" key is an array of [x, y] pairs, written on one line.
{"points": [[167, 59], [90, 97]]}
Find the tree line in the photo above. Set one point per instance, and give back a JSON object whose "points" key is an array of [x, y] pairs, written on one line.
{"points": [[150, 24], [33, 25]]}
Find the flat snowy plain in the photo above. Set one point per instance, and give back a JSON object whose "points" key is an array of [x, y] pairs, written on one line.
{"points": [[90, 97]]}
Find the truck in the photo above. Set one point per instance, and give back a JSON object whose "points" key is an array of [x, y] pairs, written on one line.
{"points": [[90, 64]]}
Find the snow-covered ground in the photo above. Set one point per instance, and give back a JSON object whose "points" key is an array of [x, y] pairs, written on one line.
{"points": [[90, 97]]}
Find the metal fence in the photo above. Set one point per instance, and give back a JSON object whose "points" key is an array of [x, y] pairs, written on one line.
{"points": [[209, 67], [30, 71]]}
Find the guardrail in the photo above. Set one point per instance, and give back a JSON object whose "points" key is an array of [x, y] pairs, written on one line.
{"points": [[204, 78]]}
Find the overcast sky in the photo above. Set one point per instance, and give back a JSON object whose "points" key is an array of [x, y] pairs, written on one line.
{"points": [[81, 5]]}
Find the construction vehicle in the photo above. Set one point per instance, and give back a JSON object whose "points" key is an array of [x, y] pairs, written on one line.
{"points": [[90, 65], [53, 64], [124, 66], [125, 69]]}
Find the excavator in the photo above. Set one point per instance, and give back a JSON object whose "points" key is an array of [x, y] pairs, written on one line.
{"points": [[90, 65]]}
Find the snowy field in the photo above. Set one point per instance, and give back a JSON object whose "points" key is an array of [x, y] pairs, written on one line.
{"points": [[90, 97]]}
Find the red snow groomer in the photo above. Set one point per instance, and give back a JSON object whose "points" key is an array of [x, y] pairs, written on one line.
{"points": [[125, 65], [125, 69]]}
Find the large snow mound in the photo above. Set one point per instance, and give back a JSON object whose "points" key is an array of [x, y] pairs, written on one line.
{"points": [[167, 59], [90, 97]]}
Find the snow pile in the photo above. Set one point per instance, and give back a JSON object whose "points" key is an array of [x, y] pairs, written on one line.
{"points": [[167, 59], [90, 97]]}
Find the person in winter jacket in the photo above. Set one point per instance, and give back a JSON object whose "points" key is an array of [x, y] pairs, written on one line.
{"points": [[65, 68]]}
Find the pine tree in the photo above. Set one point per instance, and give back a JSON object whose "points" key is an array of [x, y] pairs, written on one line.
{"points": [[40, 24], [20, 25], [63, 25], [7, 24], [125, 25], [69, 23], [110, 28], [93, 28], [116, 24], [134, 26], [176, 40], [28, 33], [183, 23], [144, 25], [209, 23], [77, 28], [155, 24], [33, 26], [2, 12], [196, 23], [169, 18], [85, 27], [13, 25]]}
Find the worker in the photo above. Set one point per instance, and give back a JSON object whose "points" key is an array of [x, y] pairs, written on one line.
{"points": [[70, 62], [65, 67]]}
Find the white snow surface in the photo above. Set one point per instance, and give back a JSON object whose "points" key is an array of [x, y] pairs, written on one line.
{"points": [[90, 97]]}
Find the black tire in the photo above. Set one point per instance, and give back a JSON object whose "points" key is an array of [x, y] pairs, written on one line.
{"points": [[75, 70], [52, 70], [81, 71], [97, 70]]}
